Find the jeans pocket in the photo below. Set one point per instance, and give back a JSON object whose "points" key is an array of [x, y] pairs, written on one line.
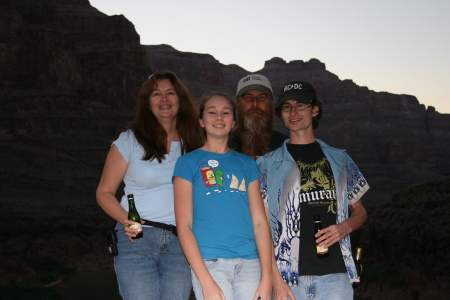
{"points": [[211, 261]]}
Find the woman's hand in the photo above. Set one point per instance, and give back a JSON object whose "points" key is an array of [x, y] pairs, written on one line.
{"points": [[130, 232]]}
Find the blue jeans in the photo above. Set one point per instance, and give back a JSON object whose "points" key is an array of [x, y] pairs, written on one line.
{"points": [[326, 287], [153, 267], [237, 277]]}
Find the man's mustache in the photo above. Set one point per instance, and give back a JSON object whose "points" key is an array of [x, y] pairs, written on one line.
{"points": [[255, 111]]}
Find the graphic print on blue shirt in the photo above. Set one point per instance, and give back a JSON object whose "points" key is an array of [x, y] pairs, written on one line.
{"points": [[221, 220], [214, 180]]}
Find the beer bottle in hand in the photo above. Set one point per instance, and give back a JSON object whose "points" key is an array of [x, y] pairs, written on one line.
{"points": [[133, 215], [358, 266], [321, 251]]}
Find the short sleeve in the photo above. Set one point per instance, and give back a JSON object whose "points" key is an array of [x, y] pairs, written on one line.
{"points": [[126, 143], [253, 170], [357, 185], [183, 169]]}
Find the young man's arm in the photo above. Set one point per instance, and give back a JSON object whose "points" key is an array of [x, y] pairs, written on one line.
{"points": [[334, 233]]}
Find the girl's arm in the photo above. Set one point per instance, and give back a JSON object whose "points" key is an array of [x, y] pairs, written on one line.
{"points": [[263, 240], [183, 217], [113, 173]]}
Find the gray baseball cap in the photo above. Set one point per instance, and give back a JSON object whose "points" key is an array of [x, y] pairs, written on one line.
{"points": [[254, 82]]}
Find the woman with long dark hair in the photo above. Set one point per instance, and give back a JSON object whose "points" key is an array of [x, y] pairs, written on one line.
{"points": [[144, 156]]}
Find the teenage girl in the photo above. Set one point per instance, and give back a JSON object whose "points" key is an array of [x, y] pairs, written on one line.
{"points": [[221, 222]]}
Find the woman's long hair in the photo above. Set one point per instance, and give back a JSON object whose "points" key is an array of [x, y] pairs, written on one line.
{"points": [[149, 132]]}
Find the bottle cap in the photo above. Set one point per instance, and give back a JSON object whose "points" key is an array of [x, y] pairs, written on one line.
{"points": [[316, 217], [130, 197]]}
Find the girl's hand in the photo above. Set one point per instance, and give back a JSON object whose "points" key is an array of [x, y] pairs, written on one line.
{"points": [[264, 291], [213, 292]]}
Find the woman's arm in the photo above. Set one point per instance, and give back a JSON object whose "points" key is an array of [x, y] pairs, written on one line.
{"points": [[113, 173], [263, 240], [183, 216]]}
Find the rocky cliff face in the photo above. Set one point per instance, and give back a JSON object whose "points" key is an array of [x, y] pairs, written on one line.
{"points": [[393, 138], [69, 78], [352, 114], [66, 69], [378, 127]]}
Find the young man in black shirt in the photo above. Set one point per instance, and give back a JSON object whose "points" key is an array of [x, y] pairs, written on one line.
{"points": [[302, 178]]}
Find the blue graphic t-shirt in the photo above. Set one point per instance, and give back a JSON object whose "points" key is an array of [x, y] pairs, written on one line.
{"points": [[221, 223]]}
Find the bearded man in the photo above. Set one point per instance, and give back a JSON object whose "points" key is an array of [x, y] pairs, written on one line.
{"points": [[255, 105]]}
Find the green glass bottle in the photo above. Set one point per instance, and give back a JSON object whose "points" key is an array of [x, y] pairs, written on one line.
{"points": [[358, 266], [133, 215], [321, 252]]}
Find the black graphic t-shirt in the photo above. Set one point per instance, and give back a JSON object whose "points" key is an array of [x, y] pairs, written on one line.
{"points": [[318, 196]]}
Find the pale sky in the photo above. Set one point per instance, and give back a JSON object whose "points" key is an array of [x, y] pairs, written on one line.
{"points": [[397, 46]]}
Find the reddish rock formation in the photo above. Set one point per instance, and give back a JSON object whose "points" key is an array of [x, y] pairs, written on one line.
{"points": [[69, 78], [71, 73]]}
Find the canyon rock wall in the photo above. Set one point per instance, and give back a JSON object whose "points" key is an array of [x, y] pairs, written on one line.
{"points": [[69, 78]]}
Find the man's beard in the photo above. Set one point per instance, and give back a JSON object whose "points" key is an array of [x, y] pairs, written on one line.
{"points": [[255, 131]]}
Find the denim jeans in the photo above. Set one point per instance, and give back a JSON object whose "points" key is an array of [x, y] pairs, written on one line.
{"points": [[153, 267], [326, 287], [237, 277]]}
